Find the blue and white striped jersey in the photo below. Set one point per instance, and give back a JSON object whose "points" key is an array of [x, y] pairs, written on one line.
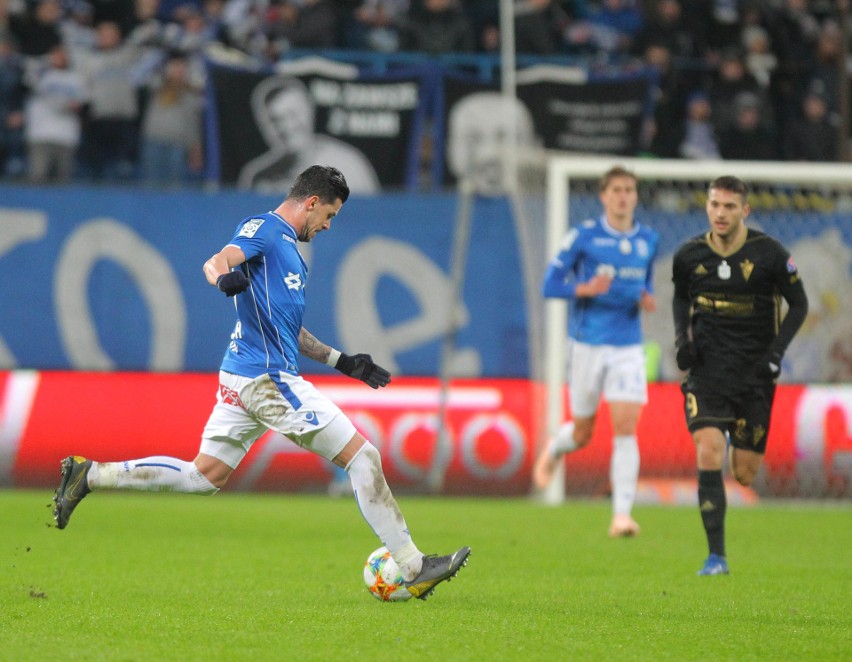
{"points": [[596, 247], [269, 312]]}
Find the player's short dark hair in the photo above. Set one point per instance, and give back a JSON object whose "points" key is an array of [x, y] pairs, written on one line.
{"points": [[732, 184], [326, 182], [612, 173]]}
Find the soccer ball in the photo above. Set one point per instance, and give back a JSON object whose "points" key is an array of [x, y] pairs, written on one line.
{"points": [[383, 578]]}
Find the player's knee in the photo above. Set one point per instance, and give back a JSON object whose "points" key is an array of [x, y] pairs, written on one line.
{"points": [[367, 455], [744, 475]]}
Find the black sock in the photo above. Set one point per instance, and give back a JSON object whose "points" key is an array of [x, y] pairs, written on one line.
{"points": [[712, 504]]}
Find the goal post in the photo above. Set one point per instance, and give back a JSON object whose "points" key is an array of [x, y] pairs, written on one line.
{"points": [[788, 197]]}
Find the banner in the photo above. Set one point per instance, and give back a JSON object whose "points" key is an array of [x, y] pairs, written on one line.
{"points": [[270, 125], [556, 108], [492, 431], [110, 279]]}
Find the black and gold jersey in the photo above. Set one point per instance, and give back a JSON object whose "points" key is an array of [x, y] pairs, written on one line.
{"points": [[735, 302]]}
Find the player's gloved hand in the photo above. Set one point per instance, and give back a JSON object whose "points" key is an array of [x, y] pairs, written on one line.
{"points": [[770, 365], [687, 355], [232, 282], [361, 366]]}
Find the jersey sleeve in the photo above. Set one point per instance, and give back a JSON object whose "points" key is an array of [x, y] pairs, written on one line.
{"points": [[559, 278], [252, 236], [789, 284]]}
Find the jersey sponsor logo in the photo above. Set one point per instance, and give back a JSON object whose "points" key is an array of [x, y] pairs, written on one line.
{"points": [[293, 281], [747, 267], [232, 346], [631, 273], [287, 237], [251, 227]]}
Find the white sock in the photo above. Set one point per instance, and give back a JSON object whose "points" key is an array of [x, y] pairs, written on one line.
{"points": [[381, 511], [563, 440], [624, 473], [150, 474]]}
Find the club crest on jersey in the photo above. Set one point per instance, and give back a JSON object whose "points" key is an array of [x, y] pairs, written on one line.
{"points": [[724, 270], [747, 266], [251, 227], [791, 266], [293, 281], [642, 248]]}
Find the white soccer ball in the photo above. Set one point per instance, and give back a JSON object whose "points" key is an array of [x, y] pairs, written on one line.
{"points": [[383, 578]]}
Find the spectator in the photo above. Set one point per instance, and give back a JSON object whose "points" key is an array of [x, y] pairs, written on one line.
{"points": [[109, 144], [664, 134], [538, 27], [614, 25], [373, 25], [436, 26], [699, 136], [731, 80], [813, 136], [303, 24], [760, 61], [78, 33], [11, 106], [37, 31], [171, 128], [52, 125], [748, 138], [667, 25]]}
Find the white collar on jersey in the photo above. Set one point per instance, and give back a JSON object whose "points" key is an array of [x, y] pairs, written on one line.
{"points": [[616, 233]]}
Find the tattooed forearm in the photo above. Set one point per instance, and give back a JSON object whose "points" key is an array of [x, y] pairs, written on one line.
{"points": [[312, 348]]}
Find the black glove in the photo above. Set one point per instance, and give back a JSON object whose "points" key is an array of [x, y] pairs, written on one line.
{"points": [[232, 282], [770, 365], [361, 366], [687, 355]]}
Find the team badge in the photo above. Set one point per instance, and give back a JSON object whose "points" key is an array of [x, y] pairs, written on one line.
{"points": [[791, 266], [724, 270], [642, 248], [625, 246], [747, 266]]}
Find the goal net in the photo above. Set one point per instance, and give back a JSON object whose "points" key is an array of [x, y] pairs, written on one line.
{"points": [[808, 207]]}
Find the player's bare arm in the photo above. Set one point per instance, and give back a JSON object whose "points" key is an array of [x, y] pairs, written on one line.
{"points": [[312, 348], [223, 262], [218, 272], [357, 366]]}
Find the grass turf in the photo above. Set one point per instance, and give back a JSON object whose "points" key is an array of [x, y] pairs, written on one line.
{"points": [[278, 577]]}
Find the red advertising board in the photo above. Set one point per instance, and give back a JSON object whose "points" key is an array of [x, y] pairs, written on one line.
{"points": [[493, 428]]}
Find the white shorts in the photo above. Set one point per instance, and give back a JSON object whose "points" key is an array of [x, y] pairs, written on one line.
{"points": [[617, 373], [247, 407]]}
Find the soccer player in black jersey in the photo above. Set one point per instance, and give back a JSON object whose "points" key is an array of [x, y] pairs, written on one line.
{"points": [[731, 338]]}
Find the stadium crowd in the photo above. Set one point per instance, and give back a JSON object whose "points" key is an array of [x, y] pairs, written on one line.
{"points": [[112, 90]]}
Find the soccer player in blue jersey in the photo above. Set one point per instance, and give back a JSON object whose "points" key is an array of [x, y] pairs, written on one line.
{"points": [[605, 270], [260, 388]]}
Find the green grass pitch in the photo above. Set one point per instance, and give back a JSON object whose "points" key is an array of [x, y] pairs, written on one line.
{"points": [[141, 577]]}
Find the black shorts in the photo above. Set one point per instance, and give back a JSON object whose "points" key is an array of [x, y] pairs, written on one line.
{"points": [[744, 415]]}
